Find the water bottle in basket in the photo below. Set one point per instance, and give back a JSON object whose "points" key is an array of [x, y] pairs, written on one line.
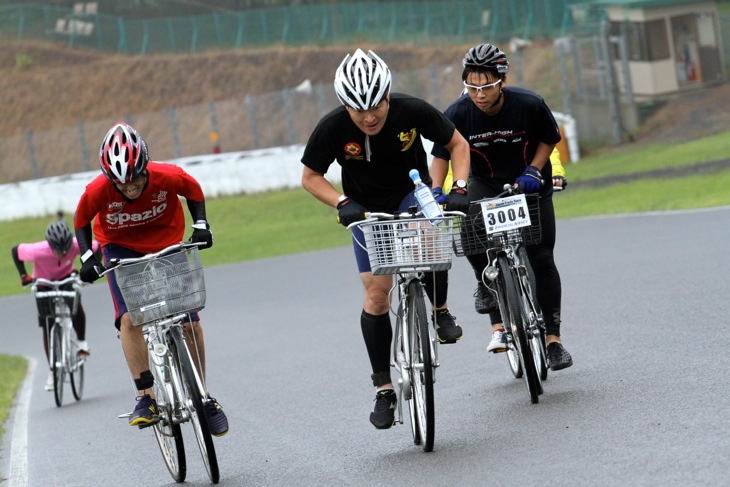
{"points": [[424, 196]]}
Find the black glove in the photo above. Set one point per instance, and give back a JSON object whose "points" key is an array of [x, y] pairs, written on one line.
{"points": [[531, 180], [25, 279], [350, 211], [457, 200], [91, 267], [562, 180], [202, 234]]}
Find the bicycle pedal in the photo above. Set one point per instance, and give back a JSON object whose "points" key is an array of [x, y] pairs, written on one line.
{"points": [[125, 415], [147, 425]]}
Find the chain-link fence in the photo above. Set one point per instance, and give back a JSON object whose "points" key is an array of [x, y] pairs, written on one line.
{"points": [[432, 22], [275, 119]]}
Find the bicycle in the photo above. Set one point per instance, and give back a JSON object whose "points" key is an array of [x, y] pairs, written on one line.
{"points": [[502, 228], [64, 358], [160, 290], [409, 246]]}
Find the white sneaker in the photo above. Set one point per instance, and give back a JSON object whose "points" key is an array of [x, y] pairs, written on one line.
{"points": [[83, 347], [498, 343], [49, 381]]}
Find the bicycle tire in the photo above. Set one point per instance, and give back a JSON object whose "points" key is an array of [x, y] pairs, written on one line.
{"points": [[57, 362], [169, 435], [76, 372], [194, 403], [76, 376], [537, 328], [513, 356], [421, 361], [401, 353], [517, 326]]}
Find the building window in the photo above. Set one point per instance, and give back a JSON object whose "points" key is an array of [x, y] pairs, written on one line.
{"points": [[646, 41]]}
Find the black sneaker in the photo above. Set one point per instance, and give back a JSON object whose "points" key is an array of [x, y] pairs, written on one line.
{"points": [[558, 357], [446, 327], [145, 413], [484, 300], [217, 420], [383, 415]]}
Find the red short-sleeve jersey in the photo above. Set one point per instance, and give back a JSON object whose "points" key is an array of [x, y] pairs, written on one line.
{"points": [[147, 224]]}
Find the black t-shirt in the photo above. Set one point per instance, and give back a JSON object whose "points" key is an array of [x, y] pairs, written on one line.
{"points": [[379, 182], [503, 145]]}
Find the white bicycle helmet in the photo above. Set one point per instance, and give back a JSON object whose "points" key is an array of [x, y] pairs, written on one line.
{"points": [[362, 80]]}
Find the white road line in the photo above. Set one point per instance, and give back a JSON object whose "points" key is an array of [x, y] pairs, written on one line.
{"points": [[18, 475]]}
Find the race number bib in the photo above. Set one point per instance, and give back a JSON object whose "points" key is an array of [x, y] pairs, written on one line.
{"points": [[507, 213]]}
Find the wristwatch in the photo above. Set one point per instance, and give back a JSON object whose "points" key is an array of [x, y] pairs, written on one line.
{"points": [[460, 183]]}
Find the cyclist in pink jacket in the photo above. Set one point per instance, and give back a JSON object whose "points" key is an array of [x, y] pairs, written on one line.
{"points": [[53, 259]]}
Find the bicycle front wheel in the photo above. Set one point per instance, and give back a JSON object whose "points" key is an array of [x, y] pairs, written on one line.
{"points": [[421, 361], [516, 324], [168, 434], [57, 362], [194, 397]]}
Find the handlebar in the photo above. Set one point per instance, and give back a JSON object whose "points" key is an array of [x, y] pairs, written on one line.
{"points": [[56, 285], [114, 263], [374, 216]]}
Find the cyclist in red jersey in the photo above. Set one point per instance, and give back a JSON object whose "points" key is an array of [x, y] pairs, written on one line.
{"points": [[376, 138], [53, 259], [135, 210]]}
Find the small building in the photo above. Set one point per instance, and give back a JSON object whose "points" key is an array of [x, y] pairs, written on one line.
{"points": [[672, 44]]}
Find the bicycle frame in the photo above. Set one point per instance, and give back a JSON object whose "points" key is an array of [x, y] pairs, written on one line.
{"points": [[510, 271], [409, 246], [160, 290]]}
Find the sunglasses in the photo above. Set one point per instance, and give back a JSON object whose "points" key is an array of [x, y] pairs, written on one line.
{"points": [[478, 89]]}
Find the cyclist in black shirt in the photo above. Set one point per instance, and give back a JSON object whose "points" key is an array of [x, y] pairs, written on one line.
{"points": [[511, 133], [375, 136]]}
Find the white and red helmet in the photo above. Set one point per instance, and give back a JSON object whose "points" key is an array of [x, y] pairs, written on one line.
{"points": [[123, 154]]}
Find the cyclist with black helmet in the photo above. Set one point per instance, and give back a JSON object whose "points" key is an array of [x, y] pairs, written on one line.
{"points": [[135, 210], [375, 136], [511, 133], [53, 259]]}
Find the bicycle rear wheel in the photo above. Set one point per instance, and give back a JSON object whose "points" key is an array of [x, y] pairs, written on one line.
{"points": [[513, 355], [517, 325], [421, 361], [169, 435], [76, 373], [194, 402], [57, 362], [536, 329]]}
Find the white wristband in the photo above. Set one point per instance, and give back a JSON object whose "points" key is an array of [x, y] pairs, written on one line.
{"points": [[87, 255]]}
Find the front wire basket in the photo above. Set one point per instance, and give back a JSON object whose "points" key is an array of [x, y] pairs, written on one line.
{"points": [[410, 245], [472, 237], [162, 287]]}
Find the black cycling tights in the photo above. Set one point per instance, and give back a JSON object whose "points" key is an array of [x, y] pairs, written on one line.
{"points": [[549, 290]]}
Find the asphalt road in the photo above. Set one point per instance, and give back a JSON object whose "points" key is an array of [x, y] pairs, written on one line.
{"points": [[645, 303]]}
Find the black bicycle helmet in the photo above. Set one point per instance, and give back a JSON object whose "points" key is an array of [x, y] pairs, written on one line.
{"points": [[59, 236], [486, 56]]}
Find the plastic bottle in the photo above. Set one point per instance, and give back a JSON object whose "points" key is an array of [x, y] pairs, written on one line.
{"points": [[424, 196]]}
